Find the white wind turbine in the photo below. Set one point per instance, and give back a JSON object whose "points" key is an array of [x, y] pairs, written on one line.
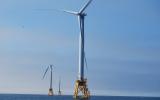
{"points": [[50, 93], [81, 82]]}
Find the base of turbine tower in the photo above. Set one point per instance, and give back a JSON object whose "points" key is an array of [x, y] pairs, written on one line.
{"points": [[50, 93], [59, 93], [81, 86]]}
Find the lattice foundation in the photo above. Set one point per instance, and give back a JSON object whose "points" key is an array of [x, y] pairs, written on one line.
{"points": [[50, 93], [81, 86]]}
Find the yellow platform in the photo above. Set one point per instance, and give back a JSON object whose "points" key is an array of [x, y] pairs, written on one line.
{"points": [[81, 86], [50, 93]]}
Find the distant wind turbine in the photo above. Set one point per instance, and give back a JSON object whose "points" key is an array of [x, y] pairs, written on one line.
{"points": [[50, 93], [59, 87]]}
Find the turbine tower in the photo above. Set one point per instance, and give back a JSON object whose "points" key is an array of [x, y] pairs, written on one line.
{"points": [[81, 83], [59, 87], [50, 93]]}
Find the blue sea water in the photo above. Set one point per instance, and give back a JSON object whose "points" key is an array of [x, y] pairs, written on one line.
{"points": [[45, 97]]}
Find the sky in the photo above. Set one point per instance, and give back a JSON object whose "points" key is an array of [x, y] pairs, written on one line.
{"points": [[122, 45]]}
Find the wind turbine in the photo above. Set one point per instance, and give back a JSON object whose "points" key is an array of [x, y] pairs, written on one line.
{"points": [[81, 83], [59, 87], [50, 67]]}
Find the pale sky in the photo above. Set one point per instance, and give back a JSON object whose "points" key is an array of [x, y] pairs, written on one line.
{"points": [[122, 46]]}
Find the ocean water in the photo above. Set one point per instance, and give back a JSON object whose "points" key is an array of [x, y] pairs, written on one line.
{"points": [[45, 97]]}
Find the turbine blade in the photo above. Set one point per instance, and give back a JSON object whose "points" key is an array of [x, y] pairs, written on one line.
{"points": [[85, 6], [45, 72], [70, 12]]}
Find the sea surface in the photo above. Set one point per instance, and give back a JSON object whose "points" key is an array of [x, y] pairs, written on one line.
{"points": [[45, 97]]}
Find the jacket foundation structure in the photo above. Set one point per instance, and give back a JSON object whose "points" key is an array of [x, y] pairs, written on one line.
{"points": [[50, 93], [81, 86]]}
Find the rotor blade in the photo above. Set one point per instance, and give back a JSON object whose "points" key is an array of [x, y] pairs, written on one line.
{"points": [[45, 72], [70, 12], [85, 61], [85, 6]]}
